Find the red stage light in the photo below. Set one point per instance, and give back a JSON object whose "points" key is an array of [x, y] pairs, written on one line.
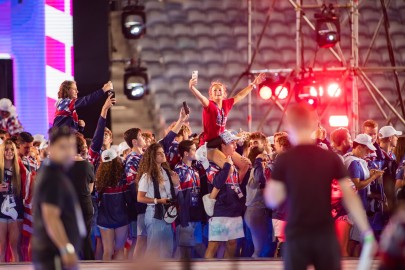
{"points": [[265, 92], [338, 121], [334, 90], [313, 92], [311, 101], [281, 92]]}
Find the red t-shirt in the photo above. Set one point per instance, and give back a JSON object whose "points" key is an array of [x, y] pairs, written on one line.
{"points": [[214, 119]]}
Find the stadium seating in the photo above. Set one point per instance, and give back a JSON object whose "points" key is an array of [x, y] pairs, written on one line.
{"points": [[211, 36]]}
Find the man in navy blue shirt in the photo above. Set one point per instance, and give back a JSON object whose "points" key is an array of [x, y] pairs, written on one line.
{"points": [[226, 224]]}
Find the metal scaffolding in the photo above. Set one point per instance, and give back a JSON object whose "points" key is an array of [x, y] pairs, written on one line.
{"points": [[351, 67]]}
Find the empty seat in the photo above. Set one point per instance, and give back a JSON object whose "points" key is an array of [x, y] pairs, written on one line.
{"points": [[153, 5], [205, 42], [167, 43], [191, 56], [172, 57], [186, 42], [180, 29], [217, 16], [176, 72], [196, 16], [155, 16], [211, 5], [215, 70], [200, 29], [221, 29], [211, 56], [192, 5]]}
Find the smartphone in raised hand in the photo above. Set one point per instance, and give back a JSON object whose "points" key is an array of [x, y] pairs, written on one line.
{"points": [[194, 75], [186, 108]]}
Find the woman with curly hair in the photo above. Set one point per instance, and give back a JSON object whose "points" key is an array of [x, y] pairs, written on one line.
{"points": [[12, 185], [112, 216], [157, 186]]}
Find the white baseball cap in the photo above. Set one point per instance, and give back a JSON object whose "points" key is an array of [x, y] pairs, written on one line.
{"points": [[122, 147], [388, 131], [365, 139], [270, 139], [227, 137], [108, 155], [39, 138], [5, 104], [43, 145]]}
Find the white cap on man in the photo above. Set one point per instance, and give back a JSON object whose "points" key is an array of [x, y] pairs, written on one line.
{"points": [[39, 138], [388, 131], [228, 137], [366, 140], [108, 155], [270, 140], [122, 147], [5, 105], [43, 145]]}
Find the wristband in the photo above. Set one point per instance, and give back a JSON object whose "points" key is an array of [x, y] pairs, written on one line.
{"points": [[254, 86], [368, 236], [155, 201]]}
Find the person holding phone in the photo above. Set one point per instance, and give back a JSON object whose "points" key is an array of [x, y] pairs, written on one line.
{"points": [[12, 185], [68, 102], [215, 114], [361, 177]]}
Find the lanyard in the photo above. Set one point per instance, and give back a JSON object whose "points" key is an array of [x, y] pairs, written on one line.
{"points": [[222, 113]]}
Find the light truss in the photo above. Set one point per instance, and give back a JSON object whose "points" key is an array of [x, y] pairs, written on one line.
{"points": [[351, 67]]}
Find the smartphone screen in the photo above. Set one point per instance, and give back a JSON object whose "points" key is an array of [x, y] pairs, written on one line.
{"points": [[194, 74]]}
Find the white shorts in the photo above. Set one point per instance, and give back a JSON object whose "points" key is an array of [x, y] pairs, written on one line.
{"points": [[279, 229], [223, 229]]}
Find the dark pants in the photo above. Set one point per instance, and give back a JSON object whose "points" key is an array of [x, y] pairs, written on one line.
{"points": [[320, 250], [87, 251], [55, 264]]}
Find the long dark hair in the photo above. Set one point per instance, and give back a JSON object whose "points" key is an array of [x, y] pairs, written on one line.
{"points": [[149, 165]]}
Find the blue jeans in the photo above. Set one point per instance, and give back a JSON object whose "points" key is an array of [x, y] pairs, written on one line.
{"points": [[257, 219], [160, 235]]}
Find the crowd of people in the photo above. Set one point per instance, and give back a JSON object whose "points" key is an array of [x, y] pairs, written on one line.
{"points": [[219, 194]]}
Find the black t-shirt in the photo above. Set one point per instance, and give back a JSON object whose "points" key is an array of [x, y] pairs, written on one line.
{"points": [[53, 187], [307, 172], [82, 174]]}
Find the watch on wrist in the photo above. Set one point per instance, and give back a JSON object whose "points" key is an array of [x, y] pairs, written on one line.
{"points": [[155, 201], [68, 249]]}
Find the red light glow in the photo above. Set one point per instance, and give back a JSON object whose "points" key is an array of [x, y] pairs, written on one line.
{"points": [[265, 92], [334, 90], [281, 92]]}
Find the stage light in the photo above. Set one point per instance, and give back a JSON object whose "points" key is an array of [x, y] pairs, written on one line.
{"points": [[334, 90], [265, 92], [338, 121], [327, 27], [316, 91], [281, 92], [274, 86], [135, 83], [133, 22]]}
